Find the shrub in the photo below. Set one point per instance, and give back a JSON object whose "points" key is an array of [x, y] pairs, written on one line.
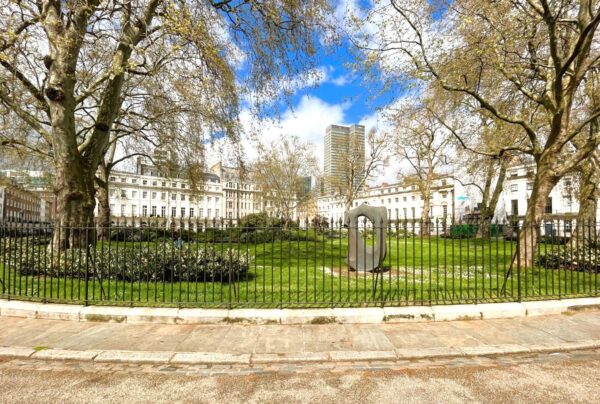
{"points": [[585, 258], [276, 234], [166, 263], [258, 221]]}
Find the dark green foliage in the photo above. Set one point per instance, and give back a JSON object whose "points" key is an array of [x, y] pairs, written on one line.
{"points": [[276, 234], [257, 221], [167, 263], [585, 258]]}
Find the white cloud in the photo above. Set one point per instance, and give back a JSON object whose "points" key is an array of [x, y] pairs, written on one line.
{"points": [[307, 120]]}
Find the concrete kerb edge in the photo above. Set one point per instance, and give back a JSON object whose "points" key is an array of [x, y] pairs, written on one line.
{"points": [[213, 358], [149, 315]]}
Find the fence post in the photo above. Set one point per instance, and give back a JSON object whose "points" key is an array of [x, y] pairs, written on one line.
{"points": [[87, 262], [519, 230]]}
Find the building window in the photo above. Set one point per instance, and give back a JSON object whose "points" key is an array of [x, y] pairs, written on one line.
{"points": [[154, 183], [208, 212], [173, 197], [163, 196], [112, 179], [529, 186], [191, 212], [133, 194], [133, 210], [216, 212], [514, 207], [123, 193], [134, 180], [144, 182], [568, 226], [548, 208], [145, 194], [123, 207], [163, 211], [173, 212], [153, 195], [123, 179], [183, 197], [164, 184], [144, 210], [182, 212], [153, 211], [200, 212], [514, 187], [182, 186]]}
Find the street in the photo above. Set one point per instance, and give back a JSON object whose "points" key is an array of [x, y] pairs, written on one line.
{"points": [[532, 378]]}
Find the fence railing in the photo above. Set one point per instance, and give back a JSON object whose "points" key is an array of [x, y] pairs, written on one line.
{"points": [[227, 266]]}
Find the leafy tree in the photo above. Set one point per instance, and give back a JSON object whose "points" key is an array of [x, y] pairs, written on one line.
{"points": [[84, 73], [528, 63], [281, 170]]}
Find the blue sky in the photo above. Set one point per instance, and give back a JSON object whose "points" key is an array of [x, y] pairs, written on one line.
{"points": [[340, 97]]}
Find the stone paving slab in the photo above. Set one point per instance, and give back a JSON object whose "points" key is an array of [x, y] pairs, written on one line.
{"points": [[323, 343], [134, 356], [209, 358], [64, 354]]}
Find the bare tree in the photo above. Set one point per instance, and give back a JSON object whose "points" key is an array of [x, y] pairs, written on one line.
{"points": [[281, 170], [523, 61], [358, 163], [76, 71], [424, 144]]}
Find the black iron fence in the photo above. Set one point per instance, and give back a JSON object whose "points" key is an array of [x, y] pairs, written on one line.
{"points": [[218, 264]]}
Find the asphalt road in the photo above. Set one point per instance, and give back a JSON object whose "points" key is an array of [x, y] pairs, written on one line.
{"points": [[543, 378]]}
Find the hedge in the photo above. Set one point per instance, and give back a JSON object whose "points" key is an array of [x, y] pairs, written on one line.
{"points": [[167, 263]]}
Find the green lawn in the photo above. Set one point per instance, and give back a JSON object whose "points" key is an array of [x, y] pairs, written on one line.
{"points": [[313, 273]]}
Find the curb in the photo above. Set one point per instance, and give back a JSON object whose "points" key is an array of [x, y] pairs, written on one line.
{"points": [[149, 315], [213, 358]]}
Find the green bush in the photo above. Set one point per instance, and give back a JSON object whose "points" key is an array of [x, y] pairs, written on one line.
{"points": [[166, 263], [276, 234], [585, 258], [258, 221]]}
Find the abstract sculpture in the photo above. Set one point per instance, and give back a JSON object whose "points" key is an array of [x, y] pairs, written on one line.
{"points": [[363, 257]]}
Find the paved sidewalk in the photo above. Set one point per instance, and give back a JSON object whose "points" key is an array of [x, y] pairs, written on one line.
{"points": [[255, 344]]}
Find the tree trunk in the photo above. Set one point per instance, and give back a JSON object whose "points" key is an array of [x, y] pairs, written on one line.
{"points": [[544, 182], [74, 181], [103, 204], [74, 221], [588, 203], [425, 228], [488, 203]]}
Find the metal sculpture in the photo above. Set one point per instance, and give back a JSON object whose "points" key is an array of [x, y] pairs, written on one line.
{"points": [[363, 257]]}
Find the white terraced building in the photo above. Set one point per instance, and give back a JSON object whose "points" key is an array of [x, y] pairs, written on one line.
{"points": [[403, 202], [135, 198], [561, 208], [145, 194]]}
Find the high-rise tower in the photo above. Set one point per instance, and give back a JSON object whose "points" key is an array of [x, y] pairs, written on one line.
{"points": [[344, 156]]}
